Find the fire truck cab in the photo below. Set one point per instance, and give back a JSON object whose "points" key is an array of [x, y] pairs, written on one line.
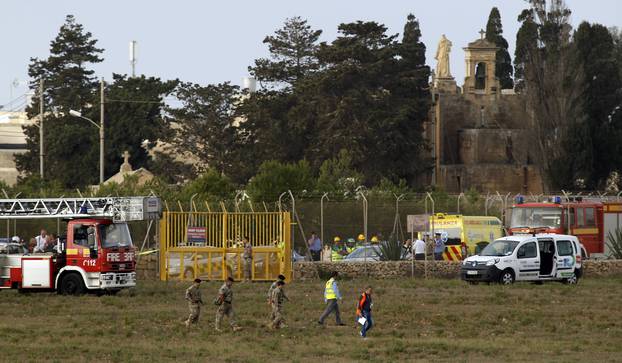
{"points": [[95, 254], [589, 220]]}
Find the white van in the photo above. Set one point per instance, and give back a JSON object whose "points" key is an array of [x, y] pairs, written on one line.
{"points": [[540, 257]]}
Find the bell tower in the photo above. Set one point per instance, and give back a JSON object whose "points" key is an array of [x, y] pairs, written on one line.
{"points": [[480, 57]]}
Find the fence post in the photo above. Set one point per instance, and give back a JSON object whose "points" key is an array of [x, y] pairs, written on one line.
{"points": [[459, 196], [325, 195]]}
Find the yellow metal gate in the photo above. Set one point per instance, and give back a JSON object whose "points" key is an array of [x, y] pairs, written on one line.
{"points": [[209, 245]]}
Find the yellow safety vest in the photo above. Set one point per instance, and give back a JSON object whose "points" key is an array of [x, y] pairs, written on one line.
{"points": [[350, 249], [329, 292], [335, 255]]}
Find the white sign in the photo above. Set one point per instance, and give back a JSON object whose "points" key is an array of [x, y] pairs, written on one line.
{"points": [[418, 223]]}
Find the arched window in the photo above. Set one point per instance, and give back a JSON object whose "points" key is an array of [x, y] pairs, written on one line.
{"points": [[480, 76]]}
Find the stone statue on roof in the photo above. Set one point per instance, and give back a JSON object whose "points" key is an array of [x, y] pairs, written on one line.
{"points": [[442, 58]]}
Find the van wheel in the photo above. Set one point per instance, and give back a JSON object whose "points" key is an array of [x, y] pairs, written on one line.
{"points": [[507, 277], [572, 280], [71, 284]]}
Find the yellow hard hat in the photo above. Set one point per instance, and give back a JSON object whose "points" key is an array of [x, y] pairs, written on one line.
{"points": [[336, 239], [361, 237], [374, 239]]}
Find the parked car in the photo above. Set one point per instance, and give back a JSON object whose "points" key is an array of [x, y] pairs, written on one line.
{"points": [[364, 254]]}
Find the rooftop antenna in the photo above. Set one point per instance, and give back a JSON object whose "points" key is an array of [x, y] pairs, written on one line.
{"points": [[133, 57]]}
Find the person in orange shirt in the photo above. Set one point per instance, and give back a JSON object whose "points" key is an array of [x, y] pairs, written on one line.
{"points": [[363, 310]]}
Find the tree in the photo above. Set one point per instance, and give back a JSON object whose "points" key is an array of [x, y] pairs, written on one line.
{"points": [[210, 185], [270, 130], [526, 40], [338, 175], [292, 54], [553, 83], [616, 34], [205, 124], [134, 118], [602, 94], [275, 178], [371, 99], [71, 152], [494, 34]]}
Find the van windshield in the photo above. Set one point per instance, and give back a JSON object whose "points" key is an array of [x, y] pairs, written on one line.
{"points": [[500, 248], [115, 235]]}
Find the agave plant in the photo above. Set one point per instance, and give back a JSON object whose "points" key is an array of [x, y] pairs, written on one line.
{"points": [[614, 242], [390, 250]]}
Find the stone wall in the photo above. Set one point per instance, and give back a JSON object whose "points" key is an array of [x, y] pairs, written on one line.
{"points": [[147, 267], [433, 269], [491, 177]]}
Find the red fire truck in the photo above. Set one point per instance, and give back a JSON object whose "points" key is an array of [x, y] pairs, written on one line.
{"points": [[96, 254], [590, 220]]}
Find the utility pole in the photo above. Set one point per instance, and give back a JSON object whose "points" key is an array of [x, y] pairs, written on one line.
{"points": [[101, 132], [41, 128]]}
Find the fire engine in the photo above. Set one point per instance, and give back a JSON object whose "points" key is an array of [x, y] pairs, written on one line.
{"points": [[96, 254], [591, 220]]}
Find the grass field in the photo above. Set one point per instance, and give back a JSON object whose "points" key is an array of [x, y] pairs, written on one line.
{"points": [[416, 320]]}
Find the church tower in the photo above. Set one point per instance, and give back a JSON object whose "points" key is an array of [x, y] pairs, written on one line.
{"points": [[480, 57]]}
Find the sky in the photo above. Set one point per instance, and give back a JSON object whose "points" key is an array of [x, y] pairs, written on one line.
{"points": [[215, 41]]}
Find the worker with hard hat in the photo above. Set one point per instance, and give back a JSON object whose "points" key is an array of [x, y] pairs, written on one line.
{"points": [[360, 240], [338, 250], [350, 245]]}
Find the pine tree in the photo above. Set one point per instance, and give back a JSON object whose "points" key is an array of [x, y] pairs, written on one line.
{"points": [[371, 100], [526, 40], [206, 125], [134, 118], [71, 144], [494, 34], [292, 54], [602, 94]]}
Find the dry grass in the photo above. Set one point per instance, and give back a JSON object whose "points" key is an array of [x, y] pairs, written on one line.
{"points": [[416, 321]]}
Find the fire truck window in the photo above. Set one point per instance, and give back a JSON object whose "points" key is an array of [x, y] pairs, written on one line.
{"points": [[81, 236], [580, 220], [571, 220], [589, 217]]}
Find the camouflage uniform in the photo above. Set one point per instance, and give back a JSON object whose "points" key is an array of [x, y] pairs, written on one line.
{"points": [[193, 295], [272, 287], [226, 308], [276, 300], [247, 255]]}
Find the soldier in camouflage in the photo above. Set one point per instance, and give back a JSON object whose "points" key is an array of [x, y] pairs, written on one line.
{"points": [[225, 305], [273, 286], [193, 296], [277, 299]]}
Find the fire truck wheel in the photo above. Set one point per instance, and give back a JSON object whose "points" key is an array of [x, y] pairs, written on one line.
{"points": [[71, 284]]}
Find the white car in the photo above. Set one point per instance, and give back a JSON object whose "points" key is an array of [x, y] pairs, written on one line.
{"points": [[364, 253], [542, 257]]}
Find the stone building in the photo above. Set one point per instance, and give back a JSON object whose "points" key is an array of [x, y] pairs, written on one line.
{"points": [[478, 133], [12, 142]]}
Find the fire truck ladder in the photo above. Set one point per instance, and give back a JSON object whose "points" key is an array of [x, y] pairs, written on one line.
{"points": [[119, 209]]}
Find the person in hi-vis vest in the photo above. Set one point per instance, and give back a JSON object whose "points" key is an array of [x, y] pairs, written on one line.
{"points": [[331, 297]]}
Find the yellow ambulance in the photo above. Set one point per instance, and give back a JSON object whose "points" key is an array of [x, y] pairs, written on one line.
{"points": [[475, 231]]}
